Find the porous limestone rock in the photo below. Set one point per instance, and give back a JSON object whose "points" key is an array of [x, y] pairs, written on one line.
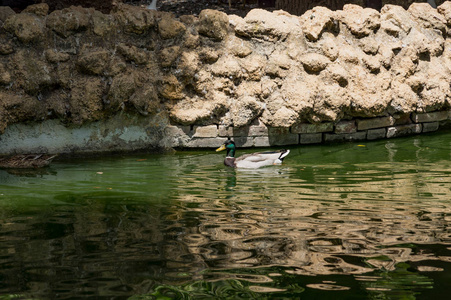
{"points": [[360, 21], [26, 27], [273, 68], [317, 20], [213, 24], [69, 21]]}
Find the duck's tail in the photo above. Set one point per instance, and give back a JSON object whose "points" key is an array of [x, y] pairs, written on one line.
{"points": [[283, 154]]}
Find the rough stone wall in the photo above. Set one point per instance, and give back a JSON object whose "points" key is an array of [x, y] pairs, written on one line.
{"points": [[299, 7], [79, 66]]}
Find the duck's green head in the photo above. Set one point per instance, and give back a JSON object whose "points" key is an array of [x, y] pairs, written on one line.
{"points": [[229, 145]]}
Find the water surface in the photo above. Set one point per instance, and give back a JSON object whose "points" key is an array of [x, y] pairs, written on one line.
{"points": [[349, 221]]}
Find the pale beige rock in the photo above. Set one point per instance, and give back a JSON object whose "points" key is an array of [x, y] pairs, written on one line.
{"points": [[314, 62], [372, 63], [269, 26], [244, 110], [398, 16], [188, 63], [253, 66], [445, 10], [226, 66], [198, 111], [405, 100], [369, 45], [317, 20], [283, 117], [330, 48], [360, 21], [239, 47], [350, 54], [338, 74], [428, 16]]}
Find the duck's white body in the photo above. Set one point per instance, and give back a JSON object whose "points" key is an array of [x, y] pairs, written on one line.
{"points": [[252, 160], [259, 159]]}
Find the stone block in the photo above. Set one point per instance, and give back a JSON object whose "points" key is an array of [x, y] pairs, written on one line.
{"points": [[258, 130], [261, 141], [208, 131], [375, 134], [272, 131], [312, 128], [240, 131], [402, 119], [429, 127], [311, 138], [243, 142], [225, 131], [205, 142], [177, 130], [177, 136], [365, 124], [355, 136], [430, 117], [281, 136], [286, 139], [345, 127], [403, 130]]}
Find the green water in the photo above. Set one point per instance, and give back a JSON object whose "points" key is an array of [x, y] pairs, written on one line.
{"points": [[350, 221]]}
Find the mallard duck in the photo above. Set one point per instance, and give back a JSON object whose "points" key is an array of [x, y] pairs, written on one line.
{"points": [[252, 160], [26, 161]]}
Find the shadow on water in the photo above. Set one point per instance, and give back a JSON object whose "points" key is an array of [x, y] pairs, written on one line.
{"points": [[346, 221]]}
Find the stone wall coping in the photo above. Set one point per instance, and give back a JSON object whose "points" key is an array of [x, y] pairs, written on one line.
{"points": [[132, 134]]}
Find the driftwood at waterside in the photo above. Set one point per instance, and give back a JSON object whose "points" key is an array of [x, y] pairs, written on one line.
{"points": [[26, 161]]}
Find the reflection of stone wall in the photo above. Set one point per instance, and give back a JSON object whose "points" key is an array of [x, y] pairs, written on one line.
{"points": [[80, 66]]}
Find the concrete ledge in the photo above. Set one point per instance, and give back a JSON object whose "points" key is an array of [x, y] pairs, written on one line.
{"points": [[345, 127], [205, 131], [365, 124], [124, 133], [429, 127], [376, 134], [311, 138], [281, 136], [403, 130], [430, 117], [312, 128], [355, 136]]}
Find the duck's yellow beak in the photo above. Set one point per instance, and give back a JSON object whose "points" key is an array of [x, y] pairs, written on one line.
{"points": [[223, 147]]}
